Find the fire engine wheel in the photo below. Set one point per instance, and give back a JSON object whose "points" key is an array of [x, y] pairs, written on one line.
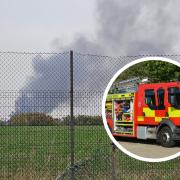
{"points": [[165, 137]]}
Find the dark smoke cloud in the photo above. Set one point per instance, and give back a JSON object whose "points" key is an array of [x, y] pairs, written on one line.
{"points": [[48, 87], [123, 28], [133, 27]]}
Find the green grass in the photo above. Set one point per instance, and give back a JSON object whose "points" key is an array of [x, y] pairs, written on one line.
{"points": [[38, 152], [46, 148]]}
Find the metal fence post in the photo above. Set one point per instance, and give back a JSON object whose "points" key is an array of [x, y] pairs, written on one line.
{"points": [[113, 159], [72, 133]]}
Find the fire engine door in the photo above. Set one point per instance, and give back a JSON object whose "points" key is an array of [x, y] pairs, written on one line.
{"points": [[160, 110], [150, 105], [154, 108]]}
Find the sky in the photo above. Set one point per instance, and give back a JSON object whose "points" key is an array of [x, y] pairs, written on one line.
{"points": [[105, 27], [108, 27], [35, 25]]}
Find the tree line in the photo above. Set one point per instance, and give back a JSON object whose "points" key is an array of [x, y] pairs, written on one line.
{"points": [[42, 119], [156, 71]]}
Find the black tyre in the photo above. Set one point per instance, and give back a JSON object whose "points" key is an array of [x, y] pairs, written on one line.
{"points": [[165, 137]]}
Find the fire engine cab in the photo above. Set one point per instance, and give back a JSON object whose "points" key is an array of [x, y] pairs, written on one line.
{"points": [[145, 111]]}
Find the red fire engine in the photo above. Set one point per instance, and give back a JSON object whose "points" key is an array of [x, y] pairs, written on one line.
{"points": [[146, 111]]}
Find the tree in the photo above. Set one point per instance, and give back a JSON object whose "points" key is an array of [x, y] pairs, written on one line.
{"points": [[83, 120], [32, 119], [156, 71]]}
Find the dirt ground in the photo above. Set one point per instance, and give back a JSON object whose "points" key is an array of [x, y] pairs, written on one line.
{"points": [[148, 149]]}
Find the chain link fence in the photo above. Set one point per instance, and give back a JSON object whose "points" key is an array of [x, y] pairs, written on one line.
{"points": [[51, 125]]}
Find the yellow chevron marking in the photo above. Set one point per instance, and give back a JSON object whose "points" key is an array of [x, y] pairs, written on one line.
{"points": [[158, 119], [173, 112], [140, 118], [148, 112]]}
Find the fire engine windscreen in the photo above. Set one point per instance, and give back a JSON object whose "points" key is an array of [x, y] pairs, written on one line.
{"points": [[174, 97]]}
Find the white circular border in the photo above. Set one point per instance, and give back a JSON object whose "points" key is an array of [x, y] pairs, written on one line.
{"points": [[104, 117]]}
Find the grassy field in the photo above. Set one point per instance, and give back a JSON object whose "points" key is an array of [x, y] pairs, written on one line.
{"points": [[46, 149], [44, 153]]}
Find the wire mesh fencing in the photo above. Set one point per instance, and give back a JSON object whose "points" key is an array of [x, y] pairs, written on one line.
{"points": [[51, 124], [34, 106]]}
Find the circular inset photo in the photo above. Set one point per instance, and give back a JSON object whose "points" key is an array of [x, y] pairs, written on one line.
{"points": [[141, 109]]}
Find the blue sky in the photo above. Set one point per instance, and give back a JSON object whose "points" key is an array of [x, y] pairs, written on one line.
{"points": [[31, 25]]}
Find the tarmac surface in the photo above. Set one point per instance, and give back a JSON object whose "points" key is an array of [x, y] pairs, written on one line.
{"points": [[148, 148]]}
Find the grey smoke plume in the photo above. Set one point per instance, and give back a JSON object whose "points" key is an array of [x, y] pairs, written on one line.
{"points": [[48, 87], [123, 28], [133, 27]]}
